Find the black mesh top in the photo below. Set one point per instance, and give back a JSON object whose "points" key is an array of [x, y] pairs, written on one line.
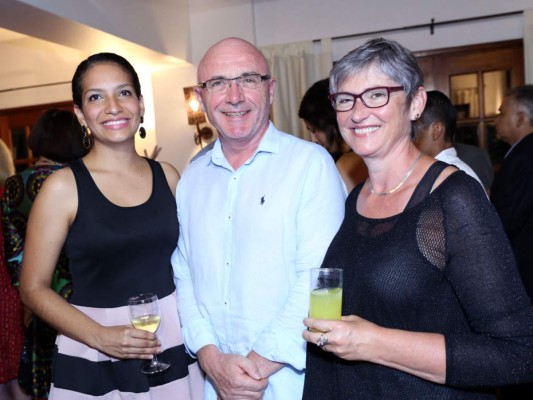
{"points": [[117, 252], [442, 265]]}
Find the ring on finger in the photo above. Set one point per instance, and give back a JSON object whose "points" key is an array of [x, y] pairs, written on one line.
{"points": [[322, 341]]}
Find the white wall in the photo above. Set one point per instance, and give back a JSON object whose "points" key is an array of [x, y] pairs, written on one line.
{"points": [[285, 21], [174, 134], [37, 63], [214, 20]]}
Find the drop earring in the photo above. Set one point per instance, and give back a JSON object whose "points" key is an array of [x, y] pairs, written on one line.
{"points": [[86, 139], [142, 131]]}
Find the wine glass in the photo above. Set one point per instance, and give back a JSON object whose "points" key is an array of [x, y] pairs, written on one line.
{"points": [[144, 314]]}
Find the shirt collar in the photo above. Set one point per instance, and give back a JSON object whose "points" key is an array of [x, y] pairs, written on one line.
{"points": [[450, 151], [513, 146], [269, 144]]}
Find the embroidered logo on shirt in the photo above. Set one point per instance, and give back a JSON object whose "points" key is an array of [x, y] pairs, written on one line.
{"points": [[262, 200]]}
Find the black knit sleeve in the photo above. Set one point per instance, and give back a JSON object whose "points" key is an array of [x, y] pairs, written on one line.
{"points": [[480, 267]]}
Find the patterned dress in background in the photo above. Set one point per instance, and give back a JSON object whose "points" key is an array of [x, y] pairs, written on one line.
{"points": [[20, 192], [12, 335]]}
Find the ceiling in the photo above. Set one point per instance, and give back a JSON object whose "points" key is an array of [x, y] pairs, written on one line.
{"points": [[37, 25], [6, 35]]}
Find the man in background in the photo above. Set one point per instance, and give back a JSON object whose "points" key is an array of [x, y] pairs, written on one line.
{"points": [[479, 160], [512, 192], [512, 189], [435, 131], [256, 212]]}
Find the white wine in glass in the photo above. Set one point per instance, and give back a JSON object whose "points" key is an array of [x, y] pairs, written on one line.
{"points": [[144, 314]]}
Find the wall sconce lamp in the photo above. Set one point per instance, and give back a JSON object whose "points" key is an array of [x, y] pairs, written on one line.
{"points": [[196, 117]]}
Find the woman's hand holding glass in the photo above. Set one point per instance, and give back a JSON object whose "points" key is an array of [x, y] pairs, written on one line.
{"points": [[347, 338], [125, 342], [145, 315]]}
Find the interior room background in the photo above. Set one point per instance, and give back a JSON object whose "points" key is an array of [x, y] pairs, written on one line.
{"points": [[42, 41]]}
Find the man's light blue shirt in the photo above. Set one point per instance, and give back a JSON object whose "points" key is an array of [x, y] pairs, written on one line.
{"points": [[247, 241]]}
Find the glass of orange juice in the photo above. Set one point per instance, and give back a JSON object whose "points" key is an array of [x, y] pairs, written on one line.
{"points": [[326, 293]]}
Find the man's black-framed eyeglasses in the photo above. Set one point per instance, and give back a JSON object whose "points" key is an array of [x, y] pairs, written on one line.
{"points": [[245, 81], [374, 97]]}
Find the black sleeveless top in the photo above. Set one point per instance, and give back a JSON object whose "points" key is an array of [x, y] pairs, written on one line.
{"points": [[117, 252]]}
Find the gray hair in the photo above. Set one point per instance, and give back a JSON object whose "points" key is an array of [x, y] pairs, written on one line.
{"points": [[392, 59], [523, 95]]}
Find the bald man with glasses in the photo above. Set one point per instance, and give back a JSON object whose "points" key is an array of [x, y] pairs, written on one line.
{"points": [[257, 211]]}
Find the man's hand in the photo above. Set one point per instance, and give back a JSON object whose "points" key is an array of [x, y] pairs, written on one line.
{"points": [[235, 377], [264, 365]]}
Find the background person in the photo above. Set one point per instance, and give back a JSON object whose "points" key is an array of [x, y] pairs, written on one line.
{"points": [[512, 193], [7, 165], [55, 140], [320, 119], [479, 160], [435, 131], [267, 206], [433, 304], [115, 214], [12, 337], [512, 189]]}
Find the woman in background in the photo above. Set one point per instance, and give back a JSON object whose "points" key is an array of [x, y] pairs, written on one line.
{"points": [[115, 213], [433, 305], [320, 119], [55, 140], [12, 337]]}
